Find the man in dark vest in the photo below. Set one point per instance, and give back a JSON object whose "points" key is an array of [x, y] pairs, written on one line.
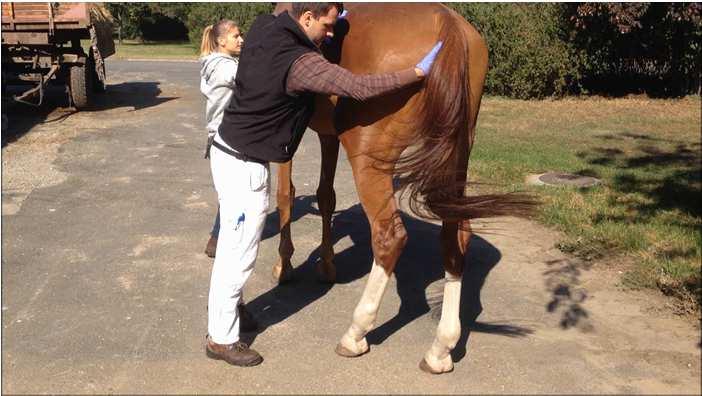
{"points": [[280, 70]]}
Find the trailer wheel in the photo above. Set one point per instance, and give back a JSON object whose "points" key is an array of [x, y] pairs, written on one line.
{"points": [[81, 86], [98, 86]]}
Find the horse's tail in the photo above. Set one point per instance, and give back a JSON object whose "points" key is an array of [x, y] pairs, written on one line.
{"points": [[431, 172]]}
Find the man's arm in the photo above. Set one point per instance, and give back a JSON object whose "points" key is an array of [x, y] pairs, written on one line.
{"points": [[312, 73]]}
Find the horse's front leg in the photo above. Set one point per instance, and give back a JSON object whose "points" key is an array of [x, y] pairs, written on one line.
{"points": [[282, 271], [326, 199]]}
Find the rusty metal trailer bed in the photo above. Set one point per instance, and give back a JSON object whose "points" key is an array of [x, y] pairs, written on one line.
{"points": [[41, 45]]}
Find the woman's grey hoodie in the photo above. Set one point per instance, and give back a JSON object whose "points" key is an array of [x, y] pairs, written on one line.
{"points": [[217, 75]]}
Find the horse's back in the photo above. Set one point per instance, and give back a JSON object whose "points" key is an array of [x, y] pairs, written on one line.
{"points": [[387, 37]]}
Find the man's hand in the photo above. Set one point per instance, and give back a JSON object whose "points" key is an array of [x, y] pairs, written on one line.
{"points": [[424, 66]]}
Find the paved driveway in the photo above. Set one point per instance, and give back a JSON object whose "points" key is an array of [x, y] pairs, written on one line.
{"points": [[104, 283]]}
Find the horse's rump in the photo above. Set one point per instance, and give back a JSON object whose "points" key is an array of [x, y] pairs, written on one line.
{"points": [[435, 119]]}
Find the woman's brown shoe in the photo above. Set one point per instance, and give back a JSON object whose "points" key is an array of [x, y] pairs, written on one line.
{"points": [[236, 354], [211, 248], [247, 322]]}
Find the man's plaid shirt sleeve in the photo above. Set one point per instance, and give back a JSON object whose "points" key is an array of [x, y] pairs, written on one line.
{"points": [[312, 73]]}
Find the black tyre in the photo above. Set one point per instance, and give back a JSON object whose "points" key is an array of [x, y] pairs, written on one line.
{"points": [[81, 86]]}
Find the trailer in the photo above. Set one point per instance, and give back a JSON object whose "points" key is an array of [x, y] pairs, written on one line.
{"points": [[41, 44]]}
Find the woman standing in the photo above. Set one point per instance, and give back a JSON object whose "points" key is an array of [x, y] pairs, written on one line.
{"points": [[219, 57], [219, 51]]}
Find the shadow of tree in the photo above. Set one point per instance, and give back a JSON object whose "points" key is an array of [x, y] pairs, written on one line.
{"points": [[563, 280], [672, 177], [656, 181], [21, 118], [419, 266]]}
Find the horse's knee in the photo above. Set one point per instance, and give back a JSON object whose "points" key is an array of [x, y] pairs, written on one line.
{"points": [[326, 199], [389, 238], [285, 194]]}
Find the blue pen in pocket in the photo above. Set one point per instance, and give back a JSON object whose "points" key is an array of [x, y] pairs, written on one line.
{"points": [[240, 220]]}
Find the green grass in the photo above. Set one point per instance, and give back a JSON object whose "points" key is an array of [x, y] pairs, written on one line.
{"points": [[178, 50], [646, 213], [152, 50]]}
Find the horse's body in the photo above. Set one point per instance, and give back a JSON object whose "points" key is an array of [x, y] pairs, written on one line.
{"points": [[437, 118]]}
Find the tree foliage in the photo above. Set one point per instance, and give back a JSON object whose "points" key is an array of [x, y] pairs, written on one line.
{"points": [[536, 49], [150, 21], [640, 47], [528, 55], [203, 14]]}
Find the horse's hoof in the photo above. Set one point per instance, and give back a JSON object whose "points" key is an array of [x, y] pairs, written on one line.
{"points": [[326, 272], [282, 272], [424, 366], [343, 351], [348, 347]]}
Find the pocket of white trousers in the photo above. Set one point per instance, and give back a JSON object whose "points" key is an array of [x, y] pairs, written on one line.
{"points": [[258, 176]]}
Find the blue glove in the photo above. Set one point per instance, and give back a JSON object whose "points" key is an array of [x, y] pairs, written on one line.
{"points": [[328, 40], [425, 64]]}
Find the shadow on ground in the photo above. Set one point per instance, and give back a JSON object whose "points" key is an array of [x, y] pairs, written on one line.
{"points": [[21, 118], [418, 267], [562, 279], [653, 176], [672, 178]]}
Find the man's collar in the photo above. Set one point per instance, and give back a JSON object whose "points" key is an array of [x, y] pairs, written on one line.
{"points": [[294, 26]]}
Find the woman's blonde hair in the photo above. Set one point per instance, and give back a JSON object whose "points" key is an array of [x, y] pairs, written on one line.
{"points": [[212, 33]]}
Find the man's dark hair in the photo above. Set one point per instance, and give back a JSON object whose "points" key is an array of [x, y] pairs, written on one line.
{"points": [[317, 9]]}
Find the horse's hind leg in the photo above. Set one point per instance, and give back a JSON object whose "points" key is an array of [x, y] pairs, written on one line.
{"points": [[326, 199], [455, 237], [388, 238], [282, 271], [454, 244]]}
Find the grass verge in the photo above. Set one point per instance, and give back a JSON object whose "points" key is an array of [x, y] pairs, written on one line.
{"points": [[646, 152], [130, 49]]}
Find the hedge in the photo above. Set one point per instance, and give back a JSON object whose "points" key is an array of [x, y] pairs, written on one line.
{"points": [[536, 50]]}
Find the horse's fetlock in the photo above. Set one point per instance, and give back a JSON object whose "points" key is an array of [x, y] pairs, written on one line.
{"points": [[449, 338], [364, 316], [448, 334]]}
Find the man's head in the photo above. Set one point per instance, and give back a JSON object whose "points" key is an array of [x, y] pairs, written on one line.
{"points": [[316, 19]]}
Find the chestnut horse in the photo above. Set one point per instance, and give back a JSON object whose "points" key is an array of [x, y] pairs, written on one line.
{"points": [[421, 136]]}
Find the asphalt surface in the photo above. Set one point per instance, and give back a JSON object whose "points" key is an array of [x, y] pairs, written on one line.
{"points": [[104, 280]]}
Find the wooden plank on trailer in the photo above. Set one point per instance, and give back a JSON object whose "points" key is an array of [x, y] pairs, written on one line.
{"points": [[33, 16], [37, 38], [51, 18], [12, 16]]}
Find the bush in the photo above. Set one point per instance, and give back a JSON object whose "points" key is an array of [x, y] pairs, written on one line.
{"points": [[536, 50], [638, 47], [203, 14], [530, 56], [159, 27], [150, 21]]}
